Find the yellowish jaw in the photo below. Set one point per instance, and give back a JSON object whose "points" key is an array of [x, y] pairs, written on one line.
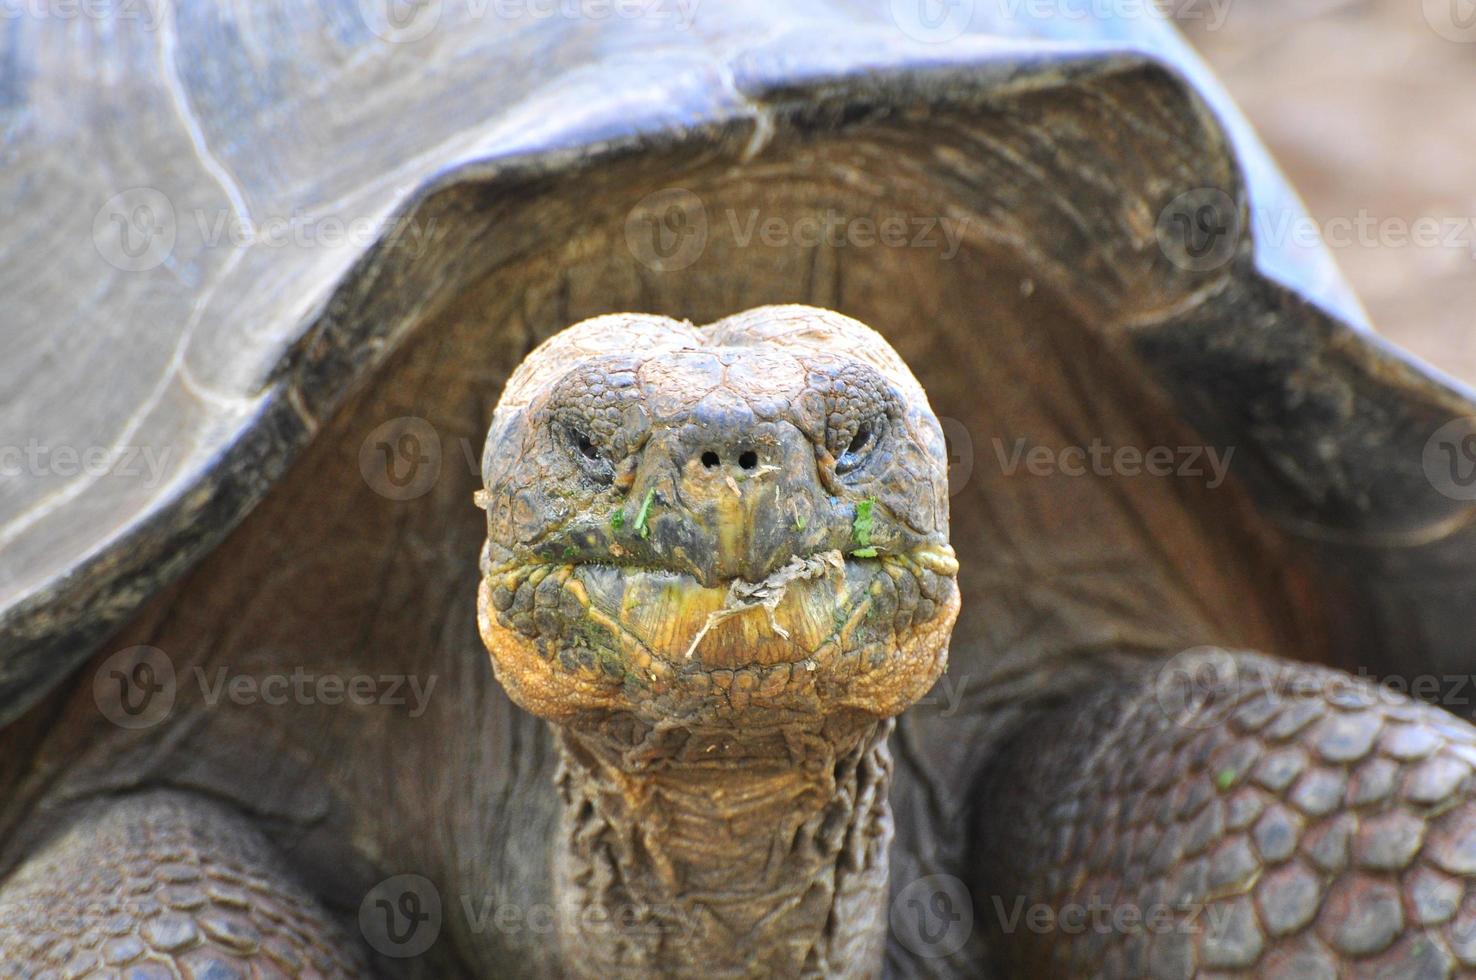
{"points": [[574, 637]]}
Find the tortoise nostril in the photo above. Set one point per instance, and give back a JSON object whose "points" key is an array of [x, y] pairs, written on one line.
{"points": [[709, 459], [748, 460]]}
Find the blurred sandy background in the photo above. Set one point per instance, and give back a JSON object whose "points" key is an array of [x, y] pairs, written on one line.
{"points": [[1370, 107]]}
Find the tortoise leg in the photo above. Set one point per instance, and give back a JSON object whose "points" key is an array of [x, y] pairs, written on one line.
{"points": [[1232, 814], [163, 885]]}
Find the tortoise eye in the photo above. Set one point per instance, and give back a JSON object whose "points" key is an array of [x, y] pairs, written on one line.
{"points": [[592, 459], [858, 450]]}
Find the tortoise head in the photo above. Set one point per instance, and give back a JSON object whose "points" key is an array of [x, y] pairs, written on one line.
{"points": [[744, 520]]}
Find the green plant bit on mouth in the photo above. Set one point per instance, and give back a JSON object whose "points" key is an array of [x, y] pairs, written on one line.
{"points": [[640, 523], [800, 520], [861, 529], [570, 551], [617, 519]]}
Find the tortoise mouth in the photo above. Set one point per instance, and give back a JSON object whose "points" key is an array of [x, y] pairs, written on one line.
{"points": [[644, 635]]}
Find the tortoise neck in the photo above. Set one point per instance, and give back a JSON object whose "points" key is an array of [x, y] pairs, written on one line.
{"points": [[724, 853]]}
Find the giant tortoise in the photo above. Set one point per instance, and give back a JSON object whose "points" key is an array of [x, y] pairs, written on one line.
{"points": [[274, 270]]}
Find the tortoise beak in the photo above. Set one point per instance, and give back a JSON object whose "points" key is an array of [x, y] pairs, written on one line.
{"points": [[724, 501]]}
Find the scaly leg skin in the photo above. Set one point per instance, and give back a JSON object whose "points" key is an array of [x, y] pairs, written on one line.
{"points": [[160, 886], [1277, 820]]}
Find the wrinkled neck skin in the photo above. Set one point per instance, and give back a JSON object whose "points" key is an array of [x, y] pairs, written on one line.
{"points": [[724, 852]]}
